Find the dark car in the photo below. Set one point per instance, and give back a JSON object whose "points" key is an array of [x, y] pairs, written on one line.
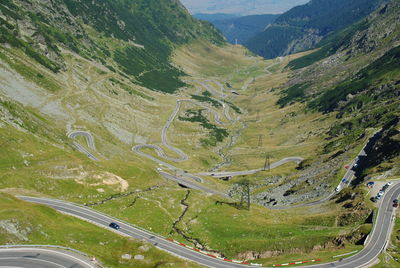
{"points": [[396, 201], [114, 226], [374, 199], [395, 205]]}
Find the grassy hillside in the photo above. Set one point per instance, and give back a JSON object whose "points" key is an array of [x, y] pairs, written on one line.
{"points": [[110, 32], [25, 223], [302, 27]]}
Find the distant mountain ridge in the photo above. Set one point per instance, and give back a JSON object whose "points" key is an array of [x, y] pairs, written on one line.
{"points": [[215, 17], [302, 27], [240, 29], [241, 7]]}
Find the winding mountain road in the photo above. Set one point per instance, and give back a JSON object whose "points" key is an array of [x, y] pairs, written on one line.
{"points": [[250, 172], [376, 243], [89, 140], [32, 257], [182, 156]]}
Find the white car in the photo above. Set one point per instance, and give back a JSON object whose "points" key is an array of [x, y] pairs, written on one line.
{"points": [[159, 169], [389, 183], [337, 189], [380, 193]]}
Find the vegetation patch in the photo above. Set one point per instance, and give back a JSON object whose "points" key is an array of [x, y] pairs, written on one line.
{"points": [[206, 97], [385, 68], [130, 90], [216, 134], [234, 107], [293, 93]]}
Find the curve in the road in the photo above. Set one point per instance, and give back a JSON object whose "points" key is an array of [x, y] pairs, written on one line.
{"points": [[89, 140], [182, 156], [376, 243], [33, 257]]}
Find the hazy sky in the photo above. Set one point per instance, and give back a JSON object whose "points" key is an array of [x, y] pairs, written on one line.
{"points": [[241, 7]]}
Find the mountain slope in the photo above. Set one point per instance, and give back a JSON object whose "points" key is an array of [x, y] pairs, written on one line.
{"points": [[372, 33], [302, 27], [366, 93], [243, 28], [110, 32]]}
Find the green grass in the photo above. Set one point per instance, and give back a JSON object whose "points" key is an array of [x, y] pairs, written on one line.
{"points": [[42, 79], [293, 93], [234, 107], [232, 231], [130, 90], [392, 256], [216, 134], [45, 226], [385, 69], [206, 98]]}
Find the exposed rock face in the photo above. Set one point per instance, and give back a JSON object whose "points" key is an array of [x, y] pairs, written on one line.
{"points": [[139, 257], [13, 228], [127, 257], [311, 183]]}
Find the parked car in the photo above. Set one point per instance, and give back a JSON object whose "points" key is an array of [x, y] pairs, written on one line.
{"points": [[344, 180], [114, 226], [396, 201], [378, 197], [389, 183], [381, 193], [370, 184], [384, 188], [374, 199], [337, 189], [395, 205]]}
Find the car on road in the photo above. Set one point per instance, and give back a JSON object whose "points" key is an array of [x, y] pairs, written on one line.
{"points": [[337, 189], [396, 201], [114, 226], [344, 180], [370, 184]]}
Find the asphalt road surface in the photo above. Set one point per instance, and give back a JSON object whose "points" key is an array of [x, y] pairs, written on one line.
{"points": [[249, 172], [184, 157], [190, 184], [41, 258], [89, 140], [345, 182], [375, 245]]}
